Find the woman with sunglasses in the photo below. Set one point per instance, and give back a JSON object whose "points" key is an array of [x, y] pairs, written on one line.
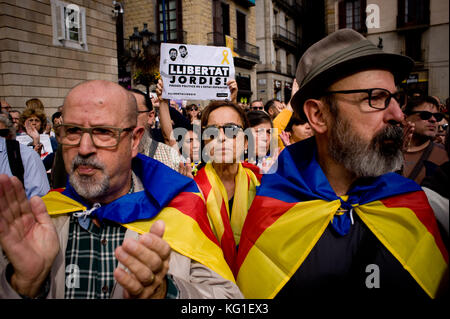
{"points": [[226, 181], [193, 113]]}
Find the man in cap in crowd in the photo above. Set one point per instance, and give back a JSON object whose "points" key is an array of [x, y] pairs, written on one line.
{"points": [[103, 238], [334, 221]]}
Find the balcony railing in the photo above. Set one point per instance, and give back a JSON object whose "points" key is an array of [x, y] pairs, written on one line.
{"points": [[285, 37], [241, 47], [289, 69], [292, 7], [278, 66]]}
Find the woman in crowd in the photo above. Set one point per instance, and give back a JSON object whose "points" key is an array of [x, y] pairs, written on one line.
{"points": [[227, 183], [259, 152], [193, 113], [296, 131], [189, 137], [33, 120]]}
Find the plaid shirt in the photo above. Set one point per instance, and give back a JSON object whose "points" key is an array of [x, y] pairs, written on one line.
{"points": [[91, 250]]}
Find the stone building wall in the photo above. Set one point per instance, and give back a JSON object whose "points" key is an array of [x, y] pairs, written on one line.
{"points": [[31, 66]]}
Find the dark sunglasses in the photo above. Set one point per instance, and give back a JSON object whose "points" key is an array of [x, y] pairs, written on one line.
{"points": [[231, 130], [443, 127], [257, 108], [194, 108], [425, 115]]}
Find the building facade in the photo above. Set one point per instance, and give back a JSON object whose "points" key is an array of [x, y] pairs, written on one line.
{"points": [[201, 22], [416, 28], [49, 46], [278, 35]]}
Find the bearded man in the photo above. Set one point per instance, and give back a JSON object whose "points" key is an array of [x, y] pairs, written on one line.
{"points": [[334, 221]]}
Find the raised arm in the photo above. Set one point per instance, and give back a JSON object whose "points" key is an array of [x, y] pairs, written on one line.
{"points": [[27, 237], [164, 117]]}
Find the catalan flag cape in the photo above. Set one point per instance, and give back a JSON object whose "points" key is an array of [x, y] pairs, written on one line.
{"points": [[167, 196], [226, 224], [294, 206]]}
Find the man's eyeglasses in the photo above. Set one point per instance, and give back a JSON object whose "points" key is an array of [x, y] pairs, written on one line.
{"points": [[231, 130], [257, 108], [377, 98], [425, 115], [101, 136]]}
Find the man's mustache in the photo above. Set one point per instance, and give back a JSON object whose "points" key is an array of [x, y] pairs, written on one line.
{"points": [[89, 161], [389, 140]]}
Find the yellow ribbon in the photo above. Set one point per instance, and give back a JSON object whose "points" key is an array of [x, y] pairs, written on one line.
{"points": [[225, 57]]}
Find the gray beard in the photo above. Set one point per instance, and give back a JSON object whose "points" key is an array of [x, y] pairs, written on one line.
{"points": [[366, 159], [89, 187]]}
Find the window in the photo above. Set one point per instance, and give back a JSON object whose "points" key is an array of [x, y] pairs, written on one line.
{"points": [[225, 18], [69, 25], [221, 18], [241, 30], [413, 13], [352, 14], [173, 21]]}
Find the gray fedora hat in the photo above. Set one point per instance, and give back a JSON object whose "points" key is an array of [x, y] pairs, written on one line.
{"points": [[338, 55]]}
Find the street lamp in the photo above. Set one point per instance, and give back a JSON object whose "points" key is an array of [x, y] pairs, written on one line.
{"points": [[144, 52], [135, 43]]}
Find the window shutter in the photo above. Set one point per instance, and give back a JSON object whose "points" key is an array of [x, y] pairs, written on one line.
{"points": [[60, 22], [82, 29], [342, 14], [180, 35], [363, 16], [400, 13]]}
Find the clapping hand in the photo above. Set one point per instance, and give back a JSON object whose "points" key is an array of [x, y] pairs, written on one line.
{"points": [[147, 260]]}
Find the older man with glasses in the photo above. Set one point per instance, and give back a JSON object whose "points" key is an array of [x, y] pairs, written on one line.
{"points": [[103, 238], [334, 222], [423, 156]]}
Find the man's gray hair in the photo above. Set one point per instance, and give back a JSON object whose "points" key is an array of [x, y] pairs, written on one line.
{"points": [[4, 118]]}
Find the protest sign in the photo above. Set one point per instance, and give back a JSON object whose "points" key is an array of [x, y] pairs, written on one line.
{"points": [[43, 138], [196, 72]]}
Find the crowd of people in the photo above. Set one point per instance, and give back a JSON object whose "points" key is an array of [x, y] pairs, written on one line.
{"points": [[341, 191]]}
